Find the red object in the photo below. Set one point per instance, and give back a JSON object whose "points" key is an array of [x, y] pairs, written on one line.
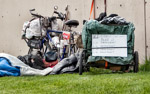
{"points": [[49, 64], [106, 64], [66, 35]]}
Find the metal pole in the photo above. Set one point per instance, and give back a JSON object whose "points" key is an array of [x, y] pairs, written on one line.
{"points": [[145, 29], [105, 3], [94, 8]]}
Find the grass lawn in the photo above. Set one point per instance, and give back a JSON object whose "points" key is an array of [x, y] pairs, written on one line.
{"points": [[95, 82]]}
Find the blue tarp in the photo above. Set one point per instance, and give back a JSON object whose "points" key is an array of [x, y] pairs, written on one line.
{"points": [[6, 69]]}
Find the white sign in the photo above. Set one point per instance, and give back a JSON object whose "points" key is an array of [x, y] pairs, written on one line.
{"points": [[109, 45]]}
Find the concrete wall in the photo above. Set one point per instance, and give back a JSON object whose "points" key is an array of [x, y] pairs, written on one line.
{"points": [[133, 11], [13, 13], [148, 26]]}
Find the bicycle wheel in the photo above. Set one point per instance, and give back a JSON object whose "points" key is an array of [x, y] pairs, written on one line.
{"points": [[81, 63]]}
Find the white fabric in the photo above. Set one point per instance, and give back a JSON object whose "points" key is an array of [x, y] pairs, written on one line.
{"points": [[35, 29], [25, 69], [25, 26], [56, 41]]}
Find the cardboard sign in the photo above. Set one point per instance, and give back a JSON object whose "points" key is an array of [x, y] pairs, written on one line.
{"points": [[109, 45]]}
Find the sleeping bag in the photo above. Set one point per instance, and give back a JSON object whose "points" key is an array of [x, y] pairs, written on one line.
{"points": [[12, 66], [6, 69]]}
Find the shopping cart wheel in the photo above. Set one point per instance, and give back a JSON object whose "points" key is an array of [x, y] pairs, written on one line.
{"points": [[136, 62], [80, 68], [81, 64]]}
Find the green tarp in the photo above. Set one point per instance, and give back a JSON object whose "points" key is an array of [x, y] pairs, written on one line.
{"points": [[94, 27]]}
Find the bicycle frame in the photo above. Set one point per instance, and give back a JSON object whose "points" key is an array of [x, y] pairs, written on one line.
{"points": [[50, 39], [46, 40]]}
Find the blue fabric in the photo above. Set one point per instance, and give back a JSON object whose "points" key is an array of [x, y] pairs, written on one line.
{"points": [[7, 70]]}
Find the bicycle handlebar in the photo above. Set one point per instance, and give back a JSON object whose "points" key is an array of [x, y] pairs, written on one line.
{"points": [[56, 12], [60, 15], [36, 15]]}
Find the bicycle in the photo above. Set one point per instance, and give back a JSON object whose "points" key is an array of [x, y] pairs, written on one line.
{"points": [[38, 42], [46, 23]]}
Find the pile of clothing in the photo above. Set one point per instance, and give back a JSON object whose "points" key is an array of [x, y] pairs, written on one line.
{"points": [[12, 66], [111, 19], [35, 65]]}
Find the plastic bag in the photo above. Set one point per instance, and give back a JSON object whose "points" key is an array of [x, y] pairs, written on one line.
{"points": [[54, 27], [56, 41], [25, 25], [33, 28]]}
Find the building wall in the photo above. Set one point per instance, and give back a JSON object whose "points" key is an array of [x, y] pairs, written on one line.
{"points": [[133, 11], [13, 13], [148, 26]]}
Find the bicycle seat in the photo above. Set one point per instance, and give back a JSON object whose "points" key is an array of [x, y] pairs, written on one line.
{"points": [[71, 23]]}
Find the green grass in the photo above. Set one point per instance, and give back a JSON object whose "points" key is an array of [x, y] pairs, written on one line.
{"points": [[145, 66], [97, 81]]}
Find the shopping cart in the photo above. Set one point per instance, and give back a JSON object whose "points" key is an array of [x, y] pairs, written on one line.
{"points": [[108, 46]]}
